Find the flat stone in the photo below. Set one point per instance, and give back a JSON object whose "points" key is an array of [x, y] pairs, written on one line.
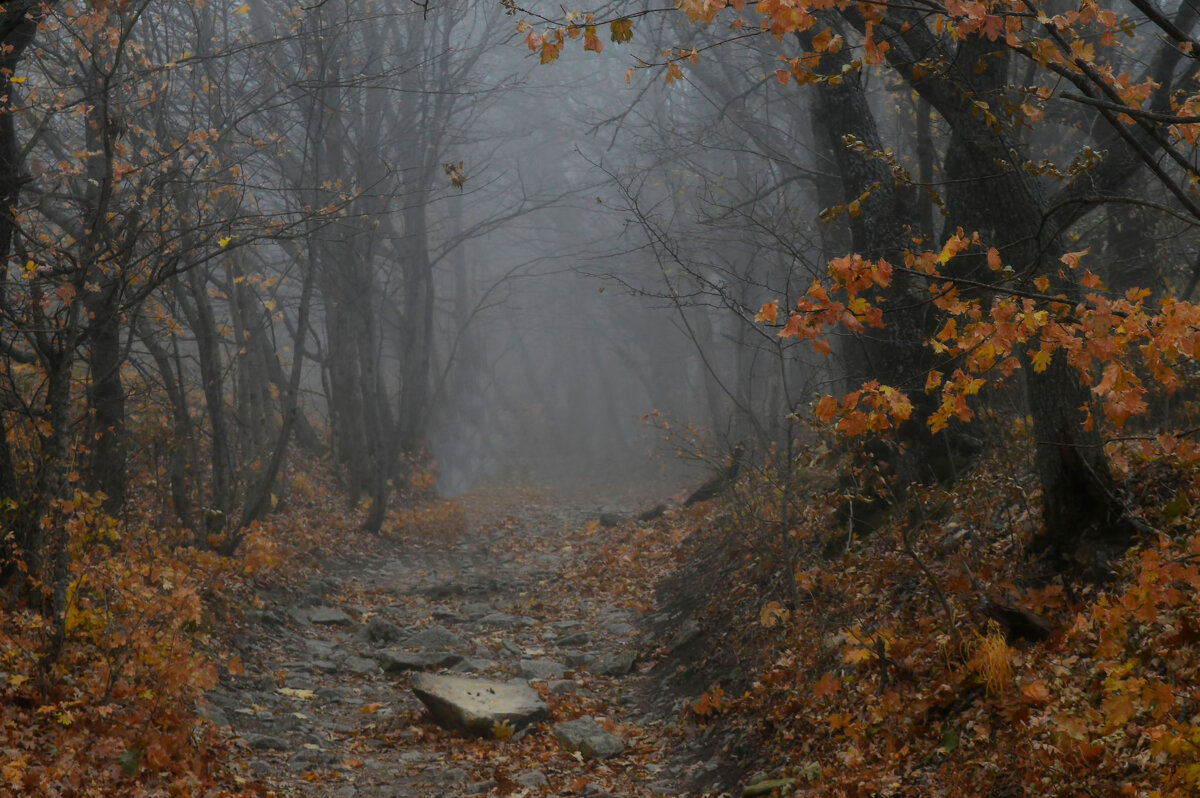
{"points": [[577, 659], [587, 737], [577, 639], [476, 706], [500, 620], [540, 669], [329, 616], [561, 686], [434, 637], [618, 629], [393, 661], [360, 665], [321, 649], [563, 626]]}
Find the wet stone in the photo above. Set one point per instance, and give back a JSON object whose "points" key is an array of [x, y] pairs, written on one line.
{"points": [[264, 742], [587, 737]]}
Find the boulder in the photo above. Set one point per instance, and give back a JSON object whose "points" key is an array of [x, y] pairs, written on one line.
{"points": [[380, 630], [476, 706], [587, 737]]}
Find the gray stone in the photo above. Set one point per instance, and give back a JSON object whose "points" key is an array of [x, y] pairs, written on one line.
{"points": [[473, 665], [587, 737], [561, 686], [382, 631], [298, 614], [312, 758], [320, 649], [618, 629], [441, 613], [325, 666], [563, 626], [577, 659], [690, 630], [476, 706], [533, 779], [262, 742], [434, 637], [260, 768], [480, 787], [329, 616], [455, 776], [360, 665], [393, 661], [500, 620], [620, 664], [511, 647], [540, 669], [577, 639]]}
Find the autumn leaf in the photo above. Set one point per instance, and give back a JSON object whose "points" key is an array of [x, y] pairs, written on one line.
{"points": [[772, 614], [768, 313], [826, 686], [621, 30], [1035, 693]]}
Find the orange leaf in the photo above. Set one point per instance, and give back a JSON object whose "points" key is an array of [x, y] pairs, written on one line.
{"points": [[1035, 693], [826, 408], [827, 685]]}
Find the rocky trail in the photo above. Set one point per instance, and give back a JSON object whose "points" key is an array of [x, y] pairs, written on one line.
{"points": [[535, 592]]}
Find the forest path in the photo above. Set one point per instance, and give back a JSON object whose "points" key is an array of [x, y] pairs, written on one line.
{"points": [[524, 586]]}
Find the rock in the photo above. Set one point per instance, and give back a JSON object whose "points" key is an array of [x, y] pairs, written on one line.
{"points": [[609, 519], [618, 629], [540, 669], [511, 648], [480, 787], [690, 630], [393, 661], [577, 639], [382, 631], [360, 665], [455, 776], [442, 613], [475, 706], [434, 637], [298, 614], [262, 742], [311, 758], [472, 665], [578, 659], [621, 664], [561, 686], [329, 616], [533, 779], [564, 626], [320, 649], [500, 620], [587, 737]]}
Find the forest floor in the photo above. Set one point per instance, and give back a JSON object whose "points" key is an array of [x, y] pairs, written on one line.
{"points": [[505, 584]]}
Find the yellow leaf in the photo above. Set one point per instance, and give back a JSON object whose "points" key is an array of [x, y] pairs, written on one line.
{"points": [[17, 80], [17, 679], [772, 613], [224, 242], [244, 8], [1041, 360]]}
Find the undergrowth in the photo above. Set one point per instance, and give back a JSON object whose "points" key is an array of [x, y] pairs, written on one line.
{"points": [[935, 657]]}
